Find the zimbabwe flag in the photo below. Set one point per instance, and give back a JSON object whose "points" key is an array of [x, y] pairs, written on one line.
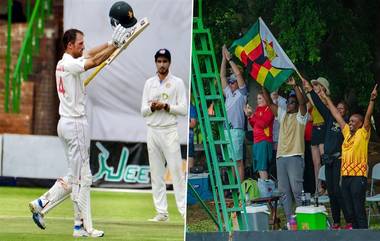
{"points": [[263, 57]]}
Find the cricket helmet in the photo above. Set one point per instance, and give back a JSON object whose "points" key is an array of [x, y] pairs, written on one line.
{"points": [[122, 13]]}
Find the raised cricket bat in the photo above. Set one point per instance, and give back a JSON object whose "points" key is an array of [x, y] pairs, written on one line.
{"points": [[134, 32]]}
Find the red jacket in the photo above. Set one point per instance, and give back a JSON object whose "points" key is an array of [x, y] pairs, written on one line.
{"points": [[262, 123], [308, 130], [309, 127]]}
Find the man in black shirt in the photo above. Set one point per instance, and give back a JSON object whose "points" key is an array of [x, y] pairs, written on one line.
{"points": [[332, 154]]}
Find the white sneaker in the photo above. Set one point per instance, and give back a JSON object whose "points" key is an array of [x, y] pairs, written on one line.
{"points": [[161, 217], [79, 231], [96, 233], [35, 207]]}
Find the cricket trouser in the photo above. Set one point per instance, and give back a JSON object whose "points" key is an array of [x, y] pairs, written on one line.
{"points": [[163, 144], [74, 134]]}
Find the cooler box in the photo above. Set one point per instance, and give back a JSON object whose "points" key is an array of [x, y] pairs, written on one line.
{"points": [[258, 217], [311, 218], [201, 184]]}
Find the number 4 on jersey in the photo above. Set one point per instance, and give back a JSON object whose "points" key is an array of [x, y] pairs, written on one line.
{"points": [[61, 89]]}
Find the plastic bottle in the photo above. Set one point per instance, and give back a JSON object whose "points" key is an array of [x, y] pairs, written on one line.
{"points": [[247, 201], [316, 201], [293, 223], [308, 201], [303, 198]]}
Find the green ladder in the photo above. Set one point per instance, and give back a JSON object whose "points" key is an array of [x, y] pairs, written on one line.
{"points": [[206, 89]]}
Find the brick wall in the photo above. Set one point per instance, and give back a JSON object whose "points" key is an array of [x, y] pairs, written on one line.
{"points": [[20, 122], [45, 94], [39, 101], [46, 99]]}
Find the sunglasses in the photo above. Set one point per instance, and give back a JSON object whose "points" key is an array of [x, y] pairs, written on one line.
{"points": [[231, 83], [291, 102]]}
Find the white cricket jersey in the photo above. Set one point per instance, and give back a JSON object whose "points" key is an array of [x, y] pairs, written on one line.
{"points": [[70, 87], [172, 91]]}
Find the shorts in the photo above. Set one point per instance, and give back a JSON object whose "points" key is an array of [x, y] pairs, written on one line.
{"points": [[318, 135], [262, 155], [237, 136]]}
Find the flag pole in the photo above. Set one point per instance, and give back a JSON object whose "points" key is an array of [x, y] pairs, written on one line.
{"points": [[298, 73], [301, 88]]}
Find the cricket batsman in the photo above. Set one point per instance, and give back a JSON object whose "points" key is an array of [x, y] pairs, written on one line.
{"points": [[73, 129]]}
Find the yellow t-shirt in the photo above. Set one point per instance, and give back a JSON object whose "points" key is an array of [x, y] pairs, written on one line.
{"points": [[355, 152], [317, 117]]}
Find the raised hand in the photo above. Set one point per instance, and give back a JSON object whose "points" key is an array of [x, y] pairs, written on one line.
{"points": [[291, 81], [307, 86], [119, 35], [374, 93], [322, 94], [226, 53]]}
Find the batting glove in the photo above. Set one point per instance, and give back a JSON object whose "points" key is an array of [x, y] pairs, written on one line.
{"points": [[118, 35]]}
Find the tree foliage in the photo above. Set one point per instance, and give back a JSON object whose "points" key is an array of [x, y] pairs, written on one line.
{"points": [[330, 38]]}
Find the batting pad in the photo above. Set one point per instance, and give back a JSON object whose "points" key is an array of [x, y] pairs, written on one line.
{"points": [[56, 194], [84, 205]]}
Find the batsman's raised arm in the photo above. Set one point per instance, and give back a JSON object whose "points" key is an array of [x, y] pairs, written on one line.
{"points": [[97, 55], [92, 52]]}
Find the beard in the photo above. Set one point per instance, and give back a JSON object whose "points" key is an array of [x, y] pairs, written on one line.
{"points": [[78, 54], [163, 71]]}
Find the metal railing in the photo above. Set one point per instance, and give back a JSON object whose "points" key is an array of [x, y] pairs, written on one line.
{"points": [[30, 47]]}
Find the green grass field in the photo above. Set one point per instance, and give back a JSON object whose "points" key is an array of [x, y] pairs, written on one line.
{"points": [[121, 215]]}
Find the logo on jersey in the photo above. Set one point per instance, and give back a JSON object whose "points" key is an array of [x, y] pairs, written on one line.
{"points": [[164, 96]]}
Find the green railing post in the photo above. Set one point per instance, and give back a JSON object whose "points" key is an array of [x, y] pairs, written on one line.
{"points": [[17, 73], [28, 10], [205, 207], [8, 58], [200, 13], [29, 47]]}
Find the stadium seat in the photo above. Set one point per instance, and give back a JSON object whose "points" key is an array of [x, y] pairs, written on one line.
{"points": [[373, 199]]}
